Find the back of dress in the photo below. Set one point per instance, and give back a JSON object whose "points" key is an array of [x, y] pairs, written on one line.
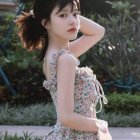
{"points": [[86, 96]]}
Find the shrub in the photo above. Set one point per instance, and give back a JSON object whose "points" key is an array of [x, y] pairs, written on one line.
{"points": [[118, 53], [26, 136], [100, 6], [123, 104], [39, 114], [22, 69], [121, 120], [45, 114]]}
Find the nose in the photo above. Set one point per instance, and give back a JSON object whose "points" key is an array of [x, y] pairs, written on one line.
{"points": [[72, 20]]}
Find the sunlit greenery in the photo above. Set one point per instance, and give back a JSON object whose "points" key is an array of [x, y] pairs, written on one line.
{"points": [[26, 136], [45, 114]]}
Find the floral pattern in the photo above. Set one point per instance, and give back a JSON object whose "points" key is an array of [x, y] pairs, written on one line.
{"points": [[87, 93]]}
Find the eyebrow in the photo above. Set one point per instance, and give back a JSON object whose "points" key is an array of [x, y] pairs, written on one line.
{"points": [[66, 10]]}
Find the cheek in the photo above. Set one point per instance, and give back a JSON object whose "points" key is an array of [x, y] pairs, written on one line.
{"points": [[57, 21], [58, 25]]}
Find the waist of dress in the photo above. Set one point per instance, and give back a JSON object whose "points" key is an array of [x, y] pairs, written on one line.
{"points": [[58, 125], [73, 133]]}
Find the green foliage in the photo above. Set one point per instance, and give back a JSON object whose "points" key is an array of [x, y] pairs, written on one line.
{"points": [[26, 136], [22, 58], [118, 53], [121, 120], [121, 6], [100, 6], [39, 114], [16, 54], [123, 103], [22, 67], [5, 27], [45, 114]]}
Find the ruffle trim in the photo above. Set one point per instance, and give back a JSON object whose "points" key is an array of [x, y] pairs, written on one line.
{"points": [[51, 84]]}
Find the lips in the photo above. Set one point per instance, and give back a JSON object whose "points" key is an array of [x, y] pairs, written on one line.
{"points": [[72, 30]]}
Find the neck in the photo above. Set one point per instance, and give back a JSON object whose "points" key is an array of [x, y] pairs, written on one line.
{"points": [[58, 43]]}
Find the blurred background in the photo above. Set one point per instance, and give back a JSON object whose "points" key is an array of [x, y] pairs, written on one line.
{"points": [[115, 60]]}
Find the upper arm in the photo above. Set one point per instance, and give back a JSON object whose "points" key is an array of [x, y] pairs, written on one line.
{"points": [[65, 85], [93, 32], [83, 44]]}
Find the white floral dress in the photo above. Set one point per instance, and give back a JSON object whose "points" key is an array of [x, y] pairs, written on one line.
{"points": [[86, 96]]}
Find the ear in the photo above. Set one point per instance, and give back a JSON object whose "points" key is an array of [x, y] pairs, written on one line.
{"points": [[45, 23]]}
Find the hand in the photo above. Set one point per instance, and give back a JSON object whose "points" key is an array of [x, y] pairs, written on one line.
{"points": [[103, 127]]}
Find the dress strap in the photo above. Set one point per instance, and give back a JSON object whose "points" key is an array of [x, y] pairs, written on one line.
{"points": [[52, 82], [60, 52], [76, 59]]}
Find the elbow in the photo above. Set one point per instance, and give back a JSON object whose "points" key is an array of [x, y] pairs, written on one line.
{"points": [[64, 119], [102, 32]]}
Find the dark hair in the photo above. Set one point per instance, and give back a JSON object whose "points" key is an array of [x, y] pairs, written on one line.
{"points": [[31, 32]]}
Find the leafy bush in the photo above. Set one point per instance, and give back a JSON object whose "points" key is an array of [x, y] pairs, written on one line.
{"points": [[118, 53], [123, 103], [100, 6], [39, 114], [45, 114], [5, 22], [26, 136], [22, 69], [121, 120]]}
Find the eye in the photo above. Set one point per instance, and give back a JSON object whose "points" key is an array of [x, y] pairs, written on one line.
{"points": [[63, 15]]}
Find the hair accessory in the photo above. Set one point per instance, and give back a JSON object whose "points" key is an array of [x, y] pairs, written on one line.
{"points": [[32, 13]]}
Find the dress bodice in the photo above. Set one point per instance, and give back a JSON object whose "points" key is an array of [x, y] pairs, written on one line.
{"points": [[87, 89]]}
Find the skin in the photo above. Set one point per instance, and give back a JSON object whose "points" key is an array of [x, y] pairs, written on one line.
{"points": [[65, 20], [59, 38]]}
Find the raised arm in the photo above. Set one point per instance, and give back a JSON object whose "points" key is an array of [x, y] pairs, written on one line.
{"points": [[65, 97], [92, 33]]}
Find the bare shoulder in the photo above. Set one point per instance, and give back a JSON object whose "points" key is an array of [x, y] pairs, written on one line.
{"points": [[66, 59]]}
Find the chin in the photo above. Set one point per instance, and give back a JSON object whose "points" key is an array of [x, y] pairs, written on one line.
{"points": [[73, 37]]}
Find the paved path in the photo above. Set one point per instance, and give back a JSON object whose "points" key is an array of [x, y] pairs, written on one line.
{"points": [[118, 133]]}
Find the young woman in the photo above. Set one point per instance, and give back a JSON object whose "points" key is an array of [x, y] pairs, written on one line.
{"points": [[52, 26]]}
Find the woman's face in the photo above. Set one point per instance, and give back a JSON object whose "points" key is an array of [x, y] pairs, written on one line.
{"points": [[64, 24]]}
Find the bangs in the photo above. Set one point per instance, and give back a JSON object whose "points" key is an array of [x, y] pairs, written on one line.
{"points": [[63, 3]]}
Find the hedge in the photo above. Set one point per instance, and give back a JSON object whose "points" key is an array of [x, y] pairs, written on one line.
{"points": [[123, 103]]}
